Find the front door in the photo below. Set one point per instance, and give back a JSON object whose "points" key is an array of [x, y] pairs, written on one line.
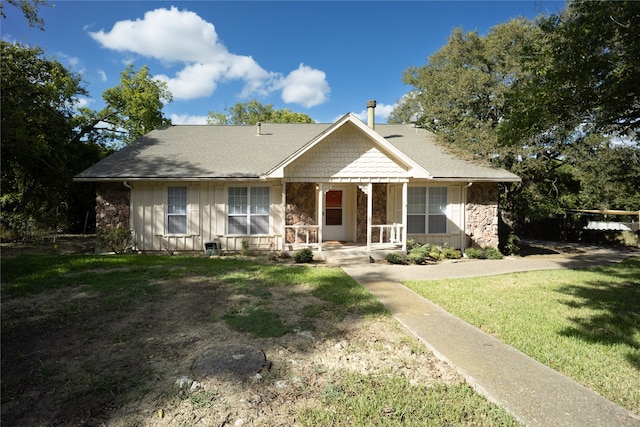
{"points": [[334, 228]]}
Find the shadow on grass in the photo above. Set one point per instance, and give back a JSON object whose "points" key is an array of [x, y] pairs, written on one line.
{"points": [[614, 308], [108, 320]]}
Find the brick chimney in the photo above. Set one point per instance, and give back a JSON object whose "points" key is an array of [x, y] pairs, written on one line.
{"points": [[371, 113]]}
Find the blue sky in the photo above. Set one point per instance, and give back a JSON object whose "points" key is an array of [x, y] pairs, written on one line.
{"points": [[321, 58]]}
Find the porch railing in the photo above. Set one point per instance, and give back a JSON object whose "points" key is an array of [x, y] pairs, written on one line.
{"points": [[303, 234], [388, 233]]}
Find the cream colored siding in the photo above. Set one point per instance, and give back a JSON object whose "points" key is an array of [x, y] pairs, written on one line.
{"points": [[206, 218], [454, 237], [346, 155]]}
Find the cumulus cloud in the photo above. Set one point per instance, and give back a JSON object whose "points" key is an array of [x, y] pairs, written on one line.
{"points": [[103, 75], [181, 37], [305, 86]]}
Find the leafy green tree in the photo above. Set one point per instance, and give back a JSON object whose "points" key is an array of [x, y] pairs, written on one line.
{"points": [[461, 93], [485, 98], [585, 71], [133, 109], [39, 153], [252, 112], [581, 91], [29, 9], [46, 140]]}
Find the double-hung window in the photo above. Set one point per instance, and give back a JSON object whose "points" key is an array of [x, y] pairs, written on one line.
{"points": [[427, 210], [248, 210], [177, 210]]}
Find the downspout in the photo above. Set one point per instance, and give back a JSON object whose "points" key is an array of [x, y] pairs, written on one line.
{"points": [[128, 186]]}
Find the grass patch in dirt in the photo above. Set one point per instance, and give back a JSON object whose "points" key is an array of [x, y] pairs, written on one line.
{"points": [[88, 340], [583, 323], [389, 400]]}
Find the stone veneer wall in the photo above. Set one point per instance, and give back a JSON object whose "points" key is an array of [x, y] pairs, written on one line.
{"points": [[301, 209], [112, 205], [482, 215], [379, 214]]}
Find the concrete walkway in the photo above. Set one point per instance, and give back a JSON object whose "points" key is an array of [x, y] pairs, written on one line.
{"points": [[535, 394]]}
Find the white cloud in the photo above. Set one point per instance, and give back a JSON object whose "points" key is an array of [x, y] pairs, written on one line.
{"points": [[181, 37], [185, 119], [103, 75], [305, 86], [82, 102]]}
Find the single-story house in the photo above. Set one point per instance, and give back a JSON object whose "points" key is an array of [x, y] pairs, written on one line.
{"points": [[284, 186]]}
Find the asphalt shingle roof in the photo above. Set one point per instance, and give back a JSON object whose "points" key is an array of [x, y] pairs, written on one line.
{"points": [[210, 152]]}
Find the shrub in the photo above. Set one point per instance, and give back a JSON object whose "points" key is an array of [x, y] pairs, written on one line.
{"points": [[412, 244], [246, 251], [116, 239], [417, 255], [435, 253], [474, 253], [491, 253], [487, 253], [511, 246], [303, 256], [450, 253], [394, 258]]}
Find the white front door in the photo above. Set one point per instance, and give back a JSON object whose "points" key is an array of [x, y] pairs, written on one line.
{"points": [[334, 214]]}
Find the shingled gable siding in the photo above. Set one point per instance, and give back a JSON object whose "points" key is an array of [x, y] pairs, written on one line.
{"points": [[112, 205], [482, 215], [347, 155], [301, 210]]}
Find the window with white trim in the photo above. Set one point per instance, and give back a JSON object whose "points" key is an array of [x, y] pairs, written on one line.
{"points": [[248, 210], [427, 210], [176, 210]]}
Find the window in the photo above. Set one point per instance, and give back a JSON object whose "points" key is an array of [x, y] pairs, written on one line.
{"points": [[248, 210], [177, 210], [427, 207]]}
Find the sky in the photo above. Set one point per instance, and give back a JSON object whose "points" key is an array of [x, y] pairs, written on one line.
{"points": [[321, 58]]}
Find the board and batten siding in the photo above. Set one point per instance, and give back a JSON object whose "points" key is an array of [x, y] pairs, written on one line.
{"points": [[456, 194], [206, 217]]}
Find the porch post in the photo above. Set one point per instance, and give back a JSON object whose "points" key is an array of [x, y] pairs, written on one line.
{"points": [[320, 219], [284, 217], [369, 214], [405, 193]]}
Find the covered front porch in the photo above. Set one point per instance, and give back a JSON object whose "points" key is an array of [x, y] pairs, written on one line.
{"points": [[336, 215]]}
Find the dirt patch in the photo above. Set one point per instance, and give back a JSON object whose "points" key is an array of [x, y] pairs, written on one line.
{"points": [[62, 244], [73, 357]]}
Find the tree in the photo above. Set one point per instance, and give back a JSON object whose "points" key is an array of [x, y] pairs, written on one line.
{"points": [[46, 140], [585, 71], [250, 113], [461, 94], [133, 109], [494, 98], [581, 91], [29, 9], [39, 153]]}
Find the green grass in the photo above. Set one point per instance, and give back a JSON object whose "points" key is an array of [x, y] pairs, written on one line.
{"points": [[386, 400], [118, 282], [583, 323]]}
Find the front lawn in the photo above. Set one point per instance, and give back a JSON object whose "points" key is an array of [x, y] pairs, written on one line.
{"points": [[121, 341], [582, 323]]}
